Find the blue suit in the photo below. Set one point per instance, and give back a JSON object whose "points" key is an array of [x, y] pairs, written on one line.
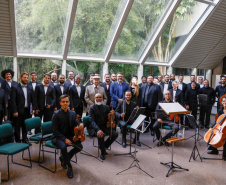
{"points": [[115, 92]]}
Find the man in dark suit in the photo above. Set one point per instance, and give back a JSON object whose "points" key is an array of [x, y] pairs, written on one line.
{"points": [[98, 118], [123, 116], [77, 94], [2, 82], [143, 80], [3, 109], [53, 80], [45, 99], [106, 85], [60, 89], [71, 80], [150, 96], [220, 90], [63, 124], [181, 85], [90, 80], [166, 85], [176, 94], [159, 122], [200, 82], [192, 79], [172, 77], [118, 89], [21, 99], [8, 74]]}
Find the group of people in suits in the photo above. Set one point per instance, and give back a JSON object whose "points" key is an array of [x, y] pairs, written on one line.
{"points": [[20, 100]]}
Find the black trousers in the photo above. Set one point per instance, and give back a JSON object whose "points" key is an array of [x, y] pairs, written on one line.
{"points": [[47, 116], [174, 130], [205, 112], [149, 113], [63, 148], [79, 111], [124, 130], [105, 144], [19, 124], [1, 116]]}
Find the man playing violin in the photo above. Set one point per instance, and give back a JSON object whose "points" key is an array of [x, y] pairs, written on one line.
{"points": [[168, 122], [63, 123], [98, 113], [123, 116]]}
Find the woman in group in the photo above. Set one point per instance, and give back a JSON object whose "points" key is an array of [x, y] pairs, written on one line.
{"points": [[214, 151], [136, 91]]}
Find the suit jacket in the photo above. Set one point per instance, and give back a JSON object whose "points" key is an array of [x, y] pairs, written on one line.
{"points": [[114, 92], [58, 127], [2, 83], [179, 96], [162, 86], [189, 86], [68, 82], [141, 84], [119, 109], [59, 93], [3, 102], [7, 89], [107, 91], [30, 85], [40, 96], [18, 99], [154, 95], [52, 84], [98, 117], [90, 94], [75, 99]]}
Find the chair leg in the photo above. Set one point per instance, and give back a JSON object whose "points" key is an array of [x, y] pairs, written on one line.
{"points": [[27, 159], [5, 180]]}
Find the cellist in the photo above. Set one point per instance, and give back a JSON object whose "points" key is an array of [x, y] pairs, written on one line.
{"points": [[213, 150], [98, 113]]}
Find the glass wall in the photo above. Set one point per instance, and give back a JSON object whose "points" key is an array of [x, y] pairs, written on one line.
{"points": [[40, 25], [128, 70], [40, 66], [153, 70], [178, 29], [84, 69]]}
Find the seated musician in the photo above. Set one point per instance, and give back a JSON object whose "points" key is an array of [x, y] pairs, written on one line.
{"points": [[159, 122], [98, 113], [214, 151], [63, 124], [120, 114]]}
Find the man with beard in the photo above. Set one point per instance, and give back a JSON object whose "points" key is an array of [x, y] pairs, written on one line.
{"points": [[172, 77], [60, 89], [166, 85], [53, 81], [99, 117], [150, 96], [21, 99], [220, 90], [71, 80], [113, 77], [106, 85], [118, 89], [77, 94]]}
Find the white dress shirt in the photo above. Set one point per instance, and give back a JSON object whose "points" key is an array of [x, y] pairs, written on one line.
{"points": [[45, 89], [165, 88], [10, 83], [174, 95], [78, 89], [180, 86], [25, 95], [33, 85]]}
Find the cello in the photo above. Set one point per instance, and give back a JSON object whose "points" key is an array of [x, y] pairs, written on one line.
{"points": [[216, 136]]}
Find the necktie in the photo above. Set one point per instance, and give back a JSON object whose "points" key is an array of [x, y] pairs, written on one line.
{"points": [[24, 86], [46, 85]]}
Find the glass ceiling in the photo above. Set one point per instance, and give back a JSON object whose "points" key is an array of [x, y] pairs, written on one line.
{"points": [[41, 28]]}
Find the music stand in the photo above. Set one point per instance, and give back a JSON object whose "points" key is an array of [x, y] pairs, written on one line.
{"points": [[136, 125], [192, 121]]}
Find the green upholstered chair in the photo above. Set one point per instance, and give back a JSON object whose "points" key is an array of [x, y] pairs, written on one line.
{"points": [[46, 133], [11, 149]]}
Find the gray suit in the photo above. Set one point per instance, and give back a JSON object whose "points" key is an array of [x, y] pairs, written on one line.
{"points": [[90, 93]]}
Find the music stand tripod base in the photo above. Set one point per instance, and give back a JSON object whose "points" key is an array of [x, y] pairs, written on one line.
{"points": [[171, 164]]}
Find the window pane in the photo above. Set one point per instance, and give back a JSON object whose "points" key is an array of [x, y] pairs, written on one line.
{"points": [[182, 22], [40, 66], [150, 70], [93, 26], [139, 26], [40, 25], [84, 69], [128, 70]]}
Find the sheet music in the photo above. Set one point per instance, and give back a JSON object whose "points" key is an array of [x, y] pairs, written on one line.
{"points": [[173, 108]]}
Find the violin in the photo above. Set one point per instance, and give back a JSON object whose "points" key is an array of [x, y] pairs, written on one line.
{"points": [[216, 136], [79, 133], [111, 119], [174, 117]]}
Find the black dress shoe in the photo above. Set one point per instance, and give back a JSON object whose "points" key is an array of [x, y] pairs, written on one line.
{"points": [[36, 142], [124, 145], [224, 158], [29, 132], [138, 143], [105, 153], [70, 172], [152, 133], [62, 162], [166, 143], [213, 152], [159, 144], [102, 156]]}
